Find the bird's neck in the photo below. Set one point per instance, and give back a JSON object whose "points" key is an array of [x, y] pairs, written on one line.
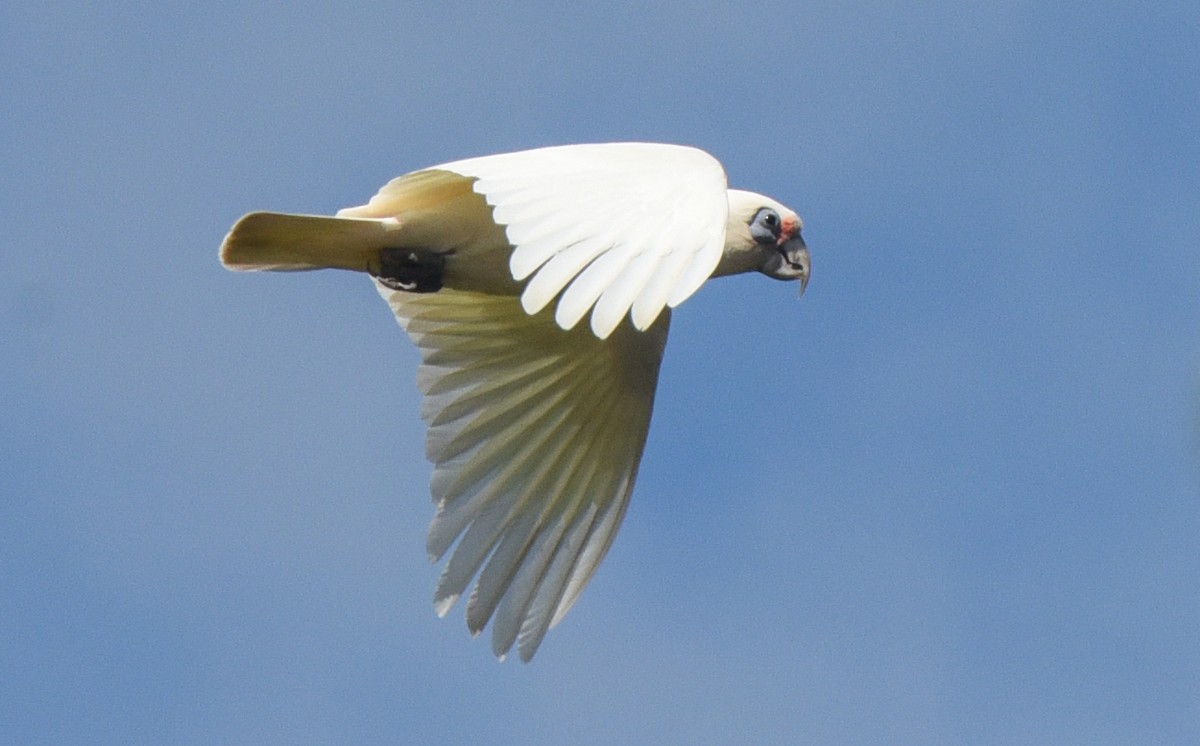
{"points": [[737, 259]]}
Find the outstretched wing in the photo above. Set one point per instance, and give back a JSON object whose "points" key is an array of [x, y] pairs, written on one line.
{"points": [[615, 228], [535, 434]]}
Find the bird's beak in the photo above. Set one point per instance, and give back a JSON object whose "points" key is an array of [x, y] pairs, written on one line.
{"points": [[795, 262]]}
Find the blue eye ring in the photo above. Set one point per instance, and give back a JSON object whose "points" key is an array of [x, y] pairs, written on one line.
{"points": [[766, 226]]}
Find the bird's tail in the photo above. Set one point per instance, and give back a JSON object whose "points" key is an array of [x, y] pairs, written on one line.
{"points": [[278, 241]]}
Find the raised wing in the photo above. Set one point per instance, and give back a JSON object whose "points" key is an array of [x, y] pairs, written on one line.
{"points": [[615, 228], [535, 434]]}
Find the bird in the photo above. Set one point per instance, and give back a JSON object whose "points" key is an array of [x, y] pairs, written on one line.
{"points": [[536, 419]]}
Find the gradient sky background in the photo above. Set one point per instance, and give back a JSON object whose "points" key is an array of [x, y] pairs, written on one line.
{"points": [[949, 497]]}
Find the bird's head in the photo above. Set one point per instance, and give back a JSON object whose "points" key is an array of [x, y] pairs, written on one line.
{"points": [[763, 236]]}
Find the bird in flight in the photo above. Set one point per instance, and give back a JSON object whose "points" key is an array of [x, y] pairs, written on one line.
{"points": [[536, 417]]}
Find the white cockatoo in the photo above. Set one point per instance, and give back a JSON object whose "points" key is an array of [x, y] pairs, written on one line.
{"points": [[536, 418]]}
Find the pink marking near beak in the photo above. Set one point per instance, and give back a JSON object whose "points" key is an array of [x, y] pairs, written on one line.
{"points": [[789, 229]]}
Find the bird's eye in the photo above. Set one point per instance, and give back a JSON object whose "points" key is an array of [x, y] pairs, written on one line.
{"points": [[766, 226]]}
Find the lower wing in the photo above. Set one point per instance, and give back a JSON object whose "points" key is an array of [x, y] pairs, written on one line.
{"points": [[535, 434]]}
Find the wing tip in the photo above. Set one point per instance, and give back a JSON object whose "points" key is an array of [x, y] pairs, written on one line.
{"points": [[443, 604]]}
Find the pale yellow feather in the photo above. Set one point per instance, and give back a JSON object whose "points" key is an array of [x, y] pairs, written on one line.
{"points": [[535, 434]]}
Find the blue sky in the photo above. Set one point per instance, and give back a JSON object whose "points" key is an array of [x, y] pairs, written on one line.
{"points": [[949, 497]]}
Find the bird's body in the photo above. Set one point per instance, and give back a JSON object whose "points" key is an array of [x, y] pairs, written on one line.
{"points": [[536, 421]]}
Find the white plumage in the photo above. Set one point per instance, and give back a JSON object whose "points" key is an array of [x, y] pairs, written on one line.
{"points": [[536, 422], [661, 206], [535, 434]]}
